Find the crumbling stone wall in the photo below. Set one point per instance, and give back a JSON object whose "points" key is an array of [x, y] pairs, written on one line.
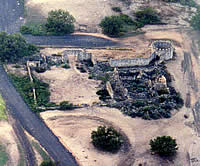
{"points": [[160, 48], [81, 55]]}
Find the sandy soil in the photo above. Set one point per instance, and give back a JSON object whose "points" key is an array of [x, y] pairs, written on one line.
{"points": [[9, 141], [74, 128]]}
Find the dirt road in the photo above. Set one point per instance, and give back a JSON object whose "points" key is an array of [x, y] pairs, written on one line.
{"points": [[32, 123]]}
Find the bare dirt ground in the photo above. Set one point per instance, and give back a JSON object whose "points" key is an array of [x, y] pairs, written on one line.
{"points": [[9, 140], [87, 13], [69, 84], [74, 127]]}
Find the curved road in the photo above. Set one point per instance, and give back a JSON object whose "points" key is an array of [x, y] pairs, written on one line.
{"points": [[32, 123]]}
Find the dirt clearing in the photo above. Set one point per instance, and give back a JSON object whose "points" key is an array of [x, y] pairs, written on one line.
{"points": [[74, 128], [88, 13]]}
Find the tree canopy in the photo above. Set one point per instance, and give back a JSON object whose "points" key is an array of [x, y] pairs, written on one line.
{"points": [[60, 22], [13, 47], [195, 22], [164, 146], [112, 25], [107, 139]]}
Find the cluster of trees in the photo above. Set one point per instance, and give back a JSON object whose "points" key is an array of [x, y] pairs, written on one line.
{"points": [[14, 47], [59, 22], [109, 139], [114, 25]]}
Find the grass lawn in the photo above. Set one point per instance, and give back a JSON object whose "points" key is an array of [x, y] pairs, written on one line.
{"points": [[3, 115]]}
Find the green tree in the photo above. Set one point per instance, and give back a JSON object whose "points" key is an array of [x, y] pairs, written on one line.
{"points": [[195, 21], [164, 146], [13, 47], [60, 22], [107, 139], [147, 16], [48, 163], [112, 26]]}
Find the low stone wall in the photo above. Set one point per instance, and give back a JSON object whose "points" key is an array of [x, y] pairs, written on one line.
{"points": [[131, 62], [163, 49]]}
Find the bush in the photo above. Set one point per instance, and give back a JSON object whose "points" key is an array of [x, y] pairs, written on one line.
{"points": [[48, 163], [60, 22], [117, 9], [195, 21], [147, 16], [164, 146], [112, 26], [13, 47], [25, 29], [107, 139], [65, 105]]}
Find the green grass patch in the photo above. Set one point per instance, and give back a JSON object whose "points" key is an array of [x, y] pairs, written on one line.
{"points": [[42, 153], [3, 115], [3, 155], [24, 87]]}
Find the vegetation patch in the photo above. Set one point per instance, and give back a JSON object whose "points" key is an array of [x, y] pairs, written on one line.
{"points": [[3, 115], [3, 155], [164, 146], [107, 139], [42, 153], [14, 47], [65, 105], [59, 22], [24, 87], [116, 26]]}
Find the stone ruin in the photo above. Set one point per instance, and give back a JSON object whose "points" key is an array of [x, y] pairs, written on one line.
{"points": [[162, 50]]}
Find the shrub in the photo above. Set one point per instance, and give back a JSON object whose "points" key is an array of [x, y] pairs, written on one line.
{"points": [[65, 105], [13, 47], [195, 21], [164, 146], [60, 22], [147, 16], [117, 9], [25, 29], [107, 139], [112, 26]]}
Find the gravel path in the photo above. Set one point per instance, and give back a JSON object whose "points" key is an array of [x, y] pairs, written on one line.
{"points": [[32, 123]]}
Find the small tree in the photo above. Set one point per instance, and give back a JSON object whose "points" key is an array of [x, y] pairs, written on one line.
{"points": [[164, 146], [147, 16], [112, 26], [13, 47], [107, 139], [195, 21], [60, 22]]}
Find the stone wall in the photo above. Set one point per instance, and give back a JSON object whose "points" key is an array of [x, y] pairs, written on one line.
{"points": [[160, 48], [131, 62]]}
